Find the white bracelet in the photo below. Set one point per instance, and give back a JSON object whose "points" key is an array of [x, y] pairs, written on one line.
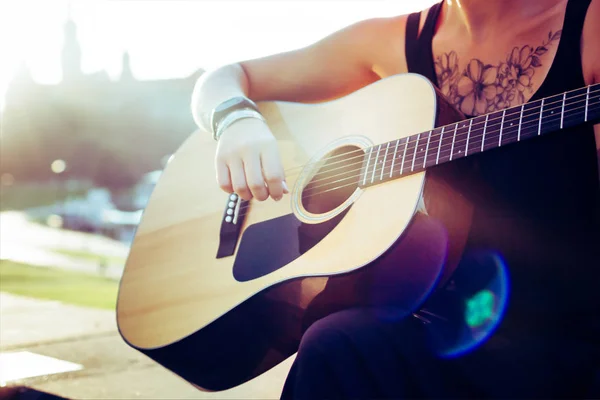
{"points": [[233, 117]]}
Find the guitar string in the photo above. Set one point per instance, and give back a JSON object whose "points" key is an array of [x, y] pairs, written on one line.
{"points": [[378, 170], [311, 192], [442, 148], [507, 116]]}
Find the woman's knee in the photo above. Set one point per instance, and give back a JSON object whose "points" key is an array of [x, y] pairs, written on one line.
{"points": [[338, 332], [318, 338]]}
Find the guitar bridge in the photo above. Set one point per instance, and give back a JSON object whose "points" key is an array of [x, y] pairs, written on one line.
{"points": [[231, 225]]}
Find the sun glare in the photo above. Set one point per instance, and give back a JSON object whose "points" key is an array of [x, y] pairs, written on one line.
{"points": [[166, 39], [29, 37]]}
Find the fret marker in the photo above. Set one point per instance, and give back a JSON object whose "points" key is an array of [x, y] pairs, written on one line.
{"points": [[484, 128], [468, 136], [412, 168], [426, 149], [520, 120], [453, 138], [501, 126], [367, 167], [587, 99], [437, 159], [384, 158], [403, 156], [394, 158], [562, 112], [376, 162], [540, 122]]}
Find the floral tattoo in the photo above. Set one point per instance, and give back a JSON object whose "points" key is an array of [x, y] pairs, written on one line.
{"points": [[484, 88]]}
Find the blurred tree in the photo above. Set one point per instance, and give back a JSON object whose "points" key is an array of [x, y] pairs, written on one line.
{"points": [[108, 131], [113, 172]]}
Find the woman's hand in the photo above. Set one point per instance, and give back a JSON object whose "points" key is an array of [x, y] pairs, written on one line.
{"points": [[248, 162]]}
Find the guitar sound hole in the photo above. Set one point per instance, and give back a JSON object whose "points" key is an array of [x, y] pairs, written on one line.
{"points": [[335, 181]]}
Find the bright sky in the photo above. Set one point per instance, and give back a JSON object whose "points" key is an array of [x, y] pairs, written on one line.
{"points": [[168, 38]]}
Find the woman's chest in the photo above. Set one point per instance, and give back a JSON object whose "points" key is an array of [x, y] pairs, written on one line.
{"points": [[489, 77]]}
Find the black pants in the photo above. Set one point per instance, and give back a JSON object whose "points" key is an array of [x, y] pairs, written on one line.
{"points": [[358, 354], [370, 353]]}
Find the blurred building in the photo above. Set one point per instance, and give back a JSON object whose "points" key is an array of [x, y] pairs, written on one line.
{"points": [[112, 132]]}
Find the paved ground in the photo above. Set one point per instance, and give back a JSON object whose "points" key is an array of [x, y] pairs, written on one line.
{"points": [[110, 369], [35, 244], [16, 228]]}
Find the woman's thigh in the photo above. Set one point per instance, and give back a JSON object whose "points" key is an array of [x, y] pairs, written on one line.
{"points": [[372, 353]]}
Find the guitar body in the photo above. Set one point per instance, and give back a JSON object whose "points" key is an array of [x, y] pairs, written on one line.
{"points": [[219, 303]]}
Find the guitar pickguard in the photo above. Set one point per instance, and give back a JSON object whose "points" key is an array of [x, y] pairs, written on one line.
{"points": [[267, 246]]}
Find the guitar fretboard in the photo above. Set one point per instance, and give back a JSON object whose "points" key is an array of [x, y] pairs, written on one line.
{"points": [[418, 152]]}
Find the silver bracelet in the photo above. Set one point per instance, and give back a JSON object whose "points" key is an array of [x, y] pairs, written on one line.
{"points": [[233, 117]]}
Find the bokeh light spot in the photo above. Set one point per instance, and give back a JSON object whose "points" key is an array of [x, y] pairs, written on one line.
{"points": [[58, 166]]}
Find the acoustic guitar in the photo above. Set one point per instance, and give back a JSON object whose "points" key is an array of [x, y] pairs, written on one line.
{"points": [[219, 290]]}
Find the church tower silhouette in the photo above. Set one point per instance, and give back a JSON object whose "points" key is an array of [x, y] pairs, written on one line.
{"points": [[71, 52]]}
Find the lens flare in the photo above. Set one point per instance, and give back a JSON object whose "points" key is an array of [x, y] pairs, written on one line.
{"points": [[480, 308], [466, 312]]}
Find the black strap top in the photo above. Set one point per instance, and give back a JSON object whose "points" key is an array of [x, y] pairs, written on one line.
{"points": [[543, 214], [546, 175]]}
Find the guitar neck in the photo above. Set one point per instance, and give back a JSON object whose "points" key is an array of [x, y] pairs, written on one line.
{"points": [[418, 152]]}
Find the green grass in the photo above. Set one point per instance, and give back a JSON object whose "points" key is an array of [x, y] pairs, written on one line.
{"points": [[86, 255], [55, 284]]}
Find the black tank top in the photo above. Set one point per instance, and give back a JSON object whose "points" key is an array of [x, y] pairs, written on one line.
{"points": [[543, 212]]}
